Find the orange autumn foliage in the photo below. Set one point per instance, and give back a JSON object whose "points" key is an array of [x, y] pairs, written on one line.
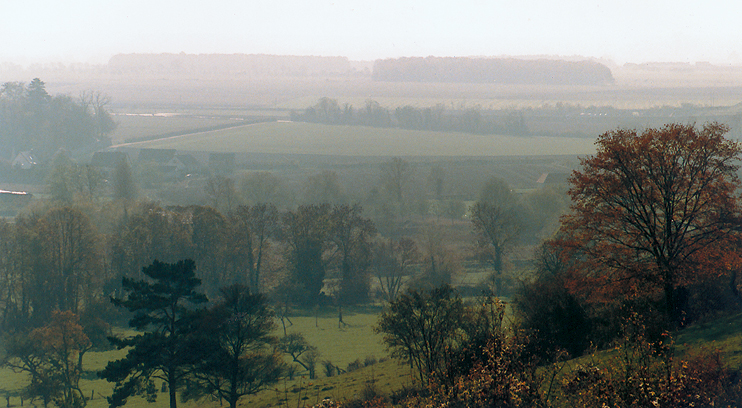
{"points": [[63, 336], [653, 211], [52, 357]]}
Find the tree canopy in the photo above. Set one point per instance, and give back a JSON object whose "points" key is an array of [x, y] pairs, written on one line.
{"points": [[496, 225], [651, 211], [163, 306], [423, 327], [33, 119], [237, 354], [52, 356]]}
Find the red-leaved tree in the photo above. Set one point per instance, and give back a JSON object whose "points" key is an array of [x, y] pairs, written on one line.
{"points": [[654, 211], [51, 355]]}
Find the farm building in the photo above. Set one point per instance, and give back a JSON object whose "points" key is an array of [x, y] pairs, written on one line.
{"points": [[25, 160], [183, 164], [553, 179], [222, 163]]}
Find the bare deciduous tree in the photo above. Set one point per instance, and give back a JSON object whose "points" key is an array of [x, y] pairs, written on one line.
{"points": [[395, 174]]}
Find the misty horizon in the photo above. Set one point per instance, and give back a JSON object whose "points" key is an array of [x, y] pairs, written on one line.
{"points": [[625, 32], [28, 63]]}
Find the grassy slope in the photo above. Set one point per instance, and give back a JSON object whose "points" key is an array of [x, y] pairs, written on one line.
{"points": [[306, 138], [724, 335]]}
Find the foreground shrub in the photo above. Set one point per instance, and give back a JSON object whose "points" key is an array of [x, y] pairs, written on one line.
{"points": [[376, 402], [644, 373], [438, 335], [555, 317], [504, 378], [423, 328]]}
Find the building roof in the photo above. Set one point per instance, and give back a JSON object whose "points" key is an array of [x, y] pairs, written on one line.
{"points": [[159, 156], [188, 160], [108, 160], [25, 160], [553, 178]]}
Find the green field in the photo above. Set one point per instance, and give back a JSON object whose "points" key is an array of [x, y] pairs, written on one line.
{"points": [[316, 139], [340, 345]]}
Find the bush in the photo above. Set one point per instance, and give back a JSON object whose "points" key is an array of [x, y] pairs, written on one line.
{"points": [[505, 378], [329, 368], [354, 365], [644, 373], [369, 391], [555, 318], [407, 392], [369, 361]]}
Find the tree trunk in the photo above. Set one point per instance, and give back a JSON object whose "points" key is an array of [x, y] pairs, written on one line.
{"points": [[171, 389], [498, 270], [733, 283], [670, 304], [256, 275], [80, 354], [233, 395]]}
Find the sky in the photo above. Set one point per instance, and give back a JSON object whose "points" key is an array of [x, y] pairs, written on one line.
{"points": [[91, 31]]}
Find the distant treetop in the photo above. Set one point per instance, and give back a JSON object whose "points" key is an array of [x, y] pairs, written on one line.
{"points": [[492, 70]]}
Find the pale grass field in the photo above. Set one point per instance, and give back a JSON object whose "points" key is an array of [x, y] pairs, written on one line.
{"points": [[138, 126], [317, 139]]}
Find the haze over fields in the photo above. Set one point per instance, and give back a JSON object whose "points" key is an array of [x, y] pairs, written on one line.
{"points": [[367, 174], [276, 57], [89, 31], [380, 79]]}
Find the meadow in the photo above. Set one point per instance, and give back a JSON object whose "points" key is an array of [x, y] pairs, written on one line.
{"points": [[341, 345], [283, 137]]}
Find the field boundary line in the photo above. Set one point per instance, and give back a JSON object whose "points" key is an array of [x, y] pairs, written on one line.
{"points": [[190, 133]]}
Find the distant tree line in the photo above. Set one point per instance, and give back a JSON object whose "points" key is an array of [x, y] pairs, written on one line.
{"points": [[438, 118], [407, 69], [31, 119], [491, 70], [559, 119], [239, 65]]}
